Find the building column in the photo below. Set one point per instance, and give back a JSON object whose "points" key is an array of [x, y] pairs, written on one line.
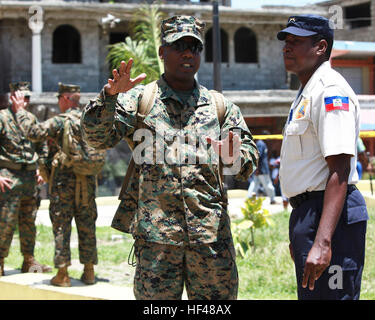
{"points": [[36, 25], [231, 48]]}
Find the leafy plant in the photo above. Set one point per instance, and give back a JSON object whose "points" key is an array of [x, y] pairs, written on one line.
{"points": [[255, 217], [143, 47]]}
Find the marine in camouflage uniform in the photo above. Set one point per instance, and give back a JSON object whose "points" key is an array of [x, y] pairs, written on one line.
{"points": [[63, 206], [175, 210], [19, 199]]}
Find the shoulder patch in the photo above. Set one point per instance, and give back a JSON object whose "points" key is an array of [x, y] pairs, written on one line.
{"points": [[336, 103], [301, 109]]}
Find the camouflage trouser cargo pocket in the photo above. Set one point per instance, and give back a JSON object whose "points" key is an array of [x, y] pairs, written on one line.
{"points": [[208, 271]]}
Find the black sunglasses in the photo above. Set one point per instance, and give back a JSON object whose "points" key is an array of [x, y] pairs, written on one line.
{"points": [[181, 46]]}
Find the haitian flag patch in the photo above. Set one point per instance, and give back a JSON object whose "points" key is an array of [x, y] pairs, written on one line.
{"points": [[336, 103]]}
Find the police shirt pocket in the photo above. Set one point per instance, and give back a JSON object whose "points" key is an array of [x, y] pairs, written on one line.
{"points": [[300, 141]]}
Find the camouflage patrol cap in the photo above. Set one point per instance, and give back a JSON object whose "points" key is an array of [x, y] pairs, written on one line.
{"points": [[68, 88], [177, 27], [23, 86]]}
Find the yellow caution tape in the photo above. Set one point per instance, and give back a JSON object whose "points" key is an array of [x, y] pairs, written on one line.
{"points": [[367, 134], [362, 134]]}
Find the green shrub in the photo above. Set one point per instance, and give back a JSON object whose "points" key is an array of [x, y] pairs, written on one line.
{"points": [[255, 217]]}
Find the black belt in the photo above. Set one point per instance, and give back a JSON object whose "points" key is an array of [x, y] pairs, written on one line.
{"points": [[297, 200]]}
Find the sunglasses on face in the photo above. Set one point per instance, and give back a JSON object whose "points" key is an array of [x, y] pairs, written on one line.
{"points": [[181, 46]]}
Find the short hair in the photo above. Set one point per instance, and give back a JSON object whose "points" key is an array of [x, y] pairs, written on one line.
{"points": [[317, 37]]}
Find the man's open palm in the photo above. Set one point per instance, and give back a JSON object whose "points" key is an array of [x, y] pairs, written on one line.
{"points": [[228, 149], [18, 101], [121, 81], [5, 183]]}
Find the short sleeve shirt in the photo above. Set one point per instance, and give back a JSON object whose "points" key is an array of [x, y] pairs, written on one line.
{"points": [[323, 121]]}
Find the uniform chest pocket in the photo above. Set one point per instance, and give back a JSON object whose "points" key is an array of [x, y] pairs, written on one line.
{"points": [[301, 144]]}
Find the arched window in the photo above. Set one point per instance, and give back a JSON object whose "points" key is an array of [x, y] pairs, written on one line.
{"points": [[208, 46], [66, 45], [245, 46], [115, 37]]}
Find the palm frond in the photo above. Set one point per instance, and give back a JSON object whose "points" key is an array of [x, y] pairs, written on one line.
{"points": [[136, 50], [149, 19], [143, 47]]}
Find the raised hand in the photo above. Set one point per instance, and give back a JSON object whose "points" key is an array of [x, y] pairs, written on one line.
{"points": [[5, 183], [18, 101], [121, 81], [228, 149], [39, 177]]}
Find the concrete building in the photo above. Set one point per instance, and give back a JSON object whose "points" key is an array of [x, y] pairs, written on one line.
{"points": [[75, 36]]}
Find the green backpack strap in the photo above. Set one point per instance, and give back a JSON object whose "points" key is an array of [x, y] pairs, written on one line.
{"points": [[62, 156], [218, 99], [144, 108], [219, 102], [66, 138], [148, 98]]}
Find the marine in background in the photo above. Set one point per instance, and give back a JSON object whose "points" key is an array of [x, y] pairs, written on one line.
{"points": [[19, 176], [72, 193]]}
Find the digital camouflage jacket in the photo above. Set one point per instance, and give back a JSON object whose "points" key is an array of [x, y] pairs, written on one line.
{"points": [[15, 147], [171, 199], [51, 130]]}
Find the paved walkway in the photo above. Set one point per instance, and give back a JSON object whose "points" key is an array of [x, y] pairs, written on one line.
{"points": [[36, 286], [107, 207], [33, 286]]}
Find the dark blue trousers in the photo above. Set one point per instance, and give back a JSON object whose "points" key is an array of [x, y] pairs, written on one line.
{"points": [[342, 279]]}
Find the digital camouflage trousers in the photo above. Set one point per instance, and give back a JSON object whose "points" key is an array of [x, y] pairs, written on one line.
{"points": [[18, 205], [63, 209], [208, 271]]}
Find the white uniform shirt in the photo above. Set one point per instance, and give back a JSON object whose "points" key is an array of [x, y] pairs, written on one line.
{"points": [[323, 121]]}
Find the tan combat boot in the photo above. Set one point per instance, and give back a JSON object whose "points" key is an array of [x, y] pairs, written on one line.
{"points": [[61, 279], [31, 265], [88, 276], [1, 267]]}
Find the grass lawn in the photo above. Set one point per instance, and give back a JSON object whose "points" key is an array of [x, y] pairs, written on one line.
{"points": [[267, 273]]}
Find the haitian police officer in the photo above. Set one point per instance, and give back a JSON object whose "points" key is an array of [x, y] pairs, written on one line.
{"points": [[175, 210], [327, 227], [18, 178]]}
